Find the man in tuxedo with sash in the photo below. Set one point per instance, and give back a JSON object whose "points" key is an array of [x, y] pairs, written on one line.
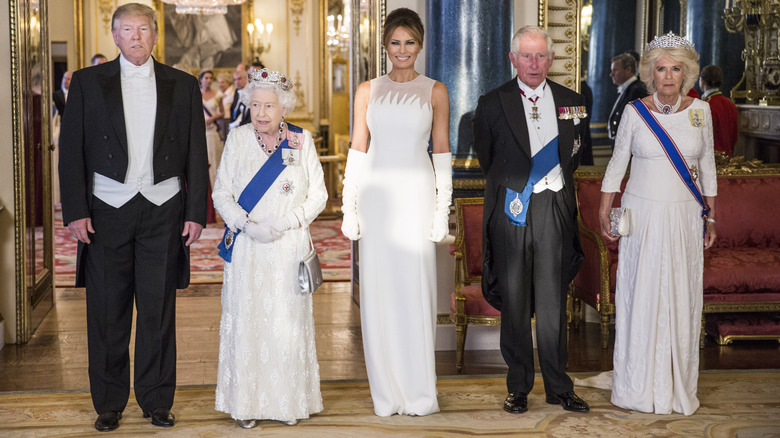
{"points": [[134, 180], [528, 135], [239, 113]]}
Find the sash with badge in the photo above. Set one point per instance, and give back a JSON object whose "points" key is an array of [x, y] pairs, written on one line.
{"points": [[285, 155], [688, 175], [516, 203]]}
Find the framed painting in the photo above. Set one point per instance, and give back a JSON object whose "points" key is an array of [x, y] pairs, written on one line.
{"points": [[195, 42]]}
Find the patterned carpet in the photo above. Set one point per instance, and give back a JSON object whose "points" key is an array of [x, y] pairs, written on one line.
{"points": [[745, 404], [206, 267]]}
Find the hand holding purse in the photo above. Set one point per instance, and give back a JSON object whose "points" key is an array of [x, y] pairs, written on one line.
{"points": [[619, 221], [309, 270]]}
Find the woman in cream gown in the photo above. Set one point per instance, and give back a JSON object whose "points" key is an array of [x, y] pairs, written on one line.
{"points": [[658, 297], [212, 111], [397, 204], [268, 366]]}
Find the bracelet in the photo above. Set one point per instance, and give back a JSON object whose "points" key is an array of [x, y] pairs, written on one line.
{"points": [[710, 220], [244, 225]]}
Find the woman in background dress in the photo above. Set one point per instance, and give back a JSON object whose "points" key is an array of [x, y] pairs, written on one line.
{"points": [[397, 204], [225, 94], [212, 111], [267, 358], [659, 276]]}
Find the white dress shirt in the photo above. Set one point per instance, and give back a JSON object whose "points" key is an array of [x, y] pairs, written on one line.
{"points": [[545, 128], [139, 98]]}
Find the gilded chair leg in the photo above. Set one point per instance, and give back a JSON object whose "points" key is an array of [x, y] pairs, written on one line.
{"points": [[460, 345], [604, 330], [703, 332]]}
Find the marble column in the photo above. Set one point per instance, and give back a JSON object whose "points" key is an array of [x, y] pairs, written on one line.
{"points": [[467, 48], [706, 30], [612, 33]]}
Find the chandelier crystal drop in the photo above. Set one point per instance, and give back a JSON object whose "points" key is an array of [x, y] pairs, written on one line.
{"points": [[203, 7]]}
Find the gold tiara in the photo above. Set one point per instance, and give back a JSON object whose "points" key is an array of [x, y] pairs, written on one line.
{"points": [[670, 40], [265, 76]]}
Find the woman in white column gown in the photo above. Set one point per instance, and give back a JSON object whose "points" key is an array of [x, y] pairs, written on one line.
{"points": [[401, 215], [659, 276], [267, 357]]}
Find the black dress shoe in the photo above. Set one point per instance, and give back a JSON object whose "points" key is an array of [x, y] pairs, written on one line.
{"points": [[516, 403], [108, 420], [161, 417], [569, 401]]}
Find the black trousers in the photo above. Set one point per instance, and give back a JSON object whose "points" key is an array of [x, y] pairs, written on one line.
{"points": [[133, 257], [529, 263]]}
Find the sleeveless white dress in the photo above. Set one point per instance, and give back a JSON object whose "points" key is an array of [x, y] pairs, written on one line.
{"points": [[396, 202], [214, 143], [658, 297]]}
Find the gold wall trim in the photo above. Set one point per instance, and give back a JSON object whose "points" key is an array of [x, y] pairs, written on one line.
{"points": [[106, 10], [296, 7], [468, 184], [78, 26], [17, 124], [465, 163], [561, 19]]}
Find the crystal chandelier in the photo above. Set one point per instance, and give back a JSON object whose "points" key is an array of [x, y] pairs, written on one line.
{"points": [[203, 7]]}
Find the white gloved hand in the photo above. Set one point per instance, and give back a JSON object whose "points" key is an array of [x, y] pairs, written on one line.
{"points": [[279, 224], [352, 172], [442, 166], [262, 232]]}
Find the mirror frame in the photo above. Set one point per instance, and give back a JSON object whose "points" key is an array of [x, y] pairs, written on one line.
{"points": [[32, 288]]}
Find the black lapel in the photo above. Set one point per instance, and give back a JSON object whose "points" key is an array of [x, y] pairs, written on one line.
{"points": [[565, 127], [111, 84], [512, 104], [165, 86]]}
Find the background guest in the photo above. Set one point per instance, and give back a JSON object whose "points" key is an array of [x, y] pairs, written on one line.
{"points": [[267, 357], [226, 94], [658, 296], [212, 111], [61, 95], [239, 113], [397, 204], [724, 111], [623, 74], [98, 58]]}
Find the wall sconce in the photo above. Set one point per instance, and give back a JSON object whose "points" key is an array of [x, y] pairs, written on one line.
{"points": [[259, 37], [338, 34]]}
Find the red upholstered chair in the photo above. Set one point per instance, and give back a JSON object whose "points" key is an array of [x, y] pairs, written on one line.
{"points": [[468, 306]]}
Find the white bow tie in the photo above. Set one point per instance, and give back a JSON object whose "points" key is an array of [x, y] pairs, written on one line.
{"points": [[144, 71]]}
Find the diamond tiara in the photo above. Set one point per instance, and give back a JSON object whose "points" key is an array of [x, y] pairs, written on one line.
{"points": [[670, 40], [265, 76]]}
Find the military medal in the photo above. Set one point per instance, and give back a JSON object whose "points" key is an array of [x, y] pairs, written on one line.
{"points": [[697, 117], [694, 173], [286, 187]]}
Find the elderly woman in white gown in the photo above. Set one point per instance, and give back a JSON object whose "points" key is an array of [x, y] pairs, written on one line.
{"points": [[267, 358], [658, 298]]}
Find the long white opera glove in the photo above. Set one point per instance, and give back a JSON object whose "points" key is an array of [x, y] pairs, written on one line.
{"points": [[442, 166], [352, 172], [283, 223], [262, 232]]}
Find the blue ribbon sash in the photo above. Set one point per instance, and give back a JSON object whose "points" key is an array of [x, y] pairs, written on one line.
{"points": [[255, 190], [516, 204], [672, 152]]}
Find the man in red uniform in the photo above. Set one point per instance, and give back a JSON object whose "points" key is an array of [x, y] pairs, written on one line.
{"points": [[724, 112]]}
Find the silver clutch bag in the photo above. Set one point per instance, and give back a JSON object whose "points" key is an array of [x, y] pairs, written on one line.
{"points": [[619, 221], [309, 270]]}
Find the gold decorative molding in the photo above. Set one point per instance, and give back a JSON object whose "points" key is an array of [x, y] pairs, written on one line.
{"points": [[739, 166], [468, 184], [296, 7], [299, 93], [106, 9], [17, 128], [78, 26], [561, 19], [465, 163]]}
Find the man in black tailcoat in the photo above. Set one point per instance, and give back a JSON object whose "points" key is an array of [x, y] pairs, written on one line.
{"points": [[528, 135], [623, 74], [134, 180]]}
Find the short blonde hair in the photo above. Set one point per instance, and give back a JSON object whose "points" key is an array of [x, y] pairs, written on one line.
{"points": [[134, 9], [689, 59]]}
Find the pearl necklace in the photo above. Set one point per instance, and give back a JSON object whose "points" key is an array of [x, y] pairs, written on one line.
{"points": [[664, 107], [278, 140]]}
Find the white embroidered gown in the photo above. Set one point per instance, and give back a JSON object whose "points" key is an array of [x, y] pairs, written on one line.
{"points": [[659, 277], [396, 202], [267, 358]]}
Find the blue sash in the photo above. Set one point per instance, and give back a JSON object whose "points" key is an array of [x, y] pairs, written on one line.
{"points": [[255, 190], [674, 155], [516, 204]]}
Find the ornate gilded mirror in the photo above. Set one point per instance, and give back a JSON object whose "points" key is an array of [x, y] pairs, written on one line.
{"points": [[32, 164]]}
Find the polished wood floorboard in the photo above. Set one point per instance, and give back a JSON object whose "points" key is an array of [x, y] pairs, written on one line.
{"points": [[55, 359]]}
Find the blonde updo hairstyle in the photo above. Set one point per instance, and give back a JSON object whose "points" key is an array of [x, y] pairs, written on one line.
{"points": [[689, 59], [406, 18]]}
